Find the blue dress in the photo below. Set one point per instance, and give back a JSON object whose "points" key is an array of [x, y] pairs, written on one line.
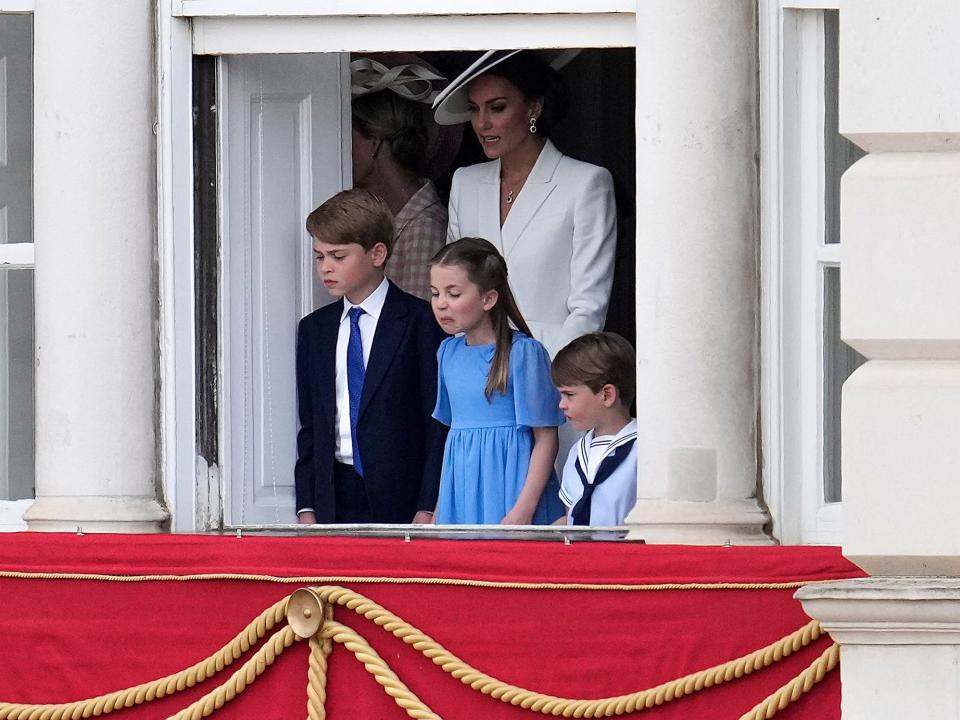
{"points": [[488, 448]]}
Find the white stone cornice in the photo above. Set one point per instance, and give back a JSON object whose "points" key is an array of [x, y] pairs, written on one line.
{"points": [[887, 611]]}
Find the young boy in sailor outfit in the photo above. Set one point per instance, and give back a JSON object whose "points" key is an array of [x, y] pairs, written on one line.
{"points": [[595, 375]]}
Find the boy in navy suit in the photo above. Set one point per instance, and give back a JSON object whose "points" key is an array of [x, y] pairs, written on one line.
{"points": [[368, 450]]}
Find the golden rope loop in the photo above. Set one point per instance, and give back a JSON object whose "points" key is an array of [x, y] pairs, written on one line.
{"points": [[245, 675], [162, 687], [330, 631], [566, 707], [320, 649], [375, 665], [795, 688], [317, 680]]}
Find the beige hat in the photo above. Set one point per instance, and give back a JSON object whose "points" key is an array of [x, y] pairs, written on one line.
{"points": [[414, 79], [451, 106]]}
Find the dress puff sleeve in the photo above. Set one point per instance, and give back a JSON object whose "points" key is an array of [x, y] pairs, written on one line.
{"points": [[441, 411], [535, 398]]}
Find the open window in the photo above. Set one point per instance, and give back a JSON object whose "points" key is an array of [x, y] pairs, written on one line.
{"points": [[272, 135]]}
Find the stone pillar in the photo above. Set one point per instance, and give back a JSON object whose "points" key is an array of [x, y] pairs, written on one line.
{"points": [[900, 295], [96, 276], [697, 270]]}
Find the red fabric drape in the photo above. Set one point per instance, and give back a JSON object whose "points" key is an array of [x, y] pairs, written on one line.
{"points": [[67, 639]]}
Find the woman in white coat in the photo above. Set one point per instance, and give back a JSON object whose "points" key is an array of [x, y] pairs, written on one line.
{"points": [[552, 217]]}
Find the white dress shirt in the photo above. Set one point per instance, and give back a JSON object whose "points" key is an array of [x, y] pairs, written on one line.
{"points": [[372, 307]]}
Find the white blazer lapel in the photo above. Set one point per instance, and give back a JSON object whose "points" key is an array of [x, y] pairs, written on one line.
{"points": [[535, 191], [489, 206]]}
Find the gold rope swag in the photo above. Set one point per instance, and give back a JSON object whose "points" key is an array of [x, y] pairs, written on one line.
{"points": [[309, 615]]}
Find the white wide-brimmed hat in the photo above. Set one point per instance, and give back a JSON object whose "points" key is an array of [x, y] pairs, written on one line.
{"points": [[451, 106]]}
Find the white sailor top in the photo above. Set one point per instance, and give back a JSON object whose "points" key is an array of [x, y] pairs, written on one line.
{"points": [[599, 484]]}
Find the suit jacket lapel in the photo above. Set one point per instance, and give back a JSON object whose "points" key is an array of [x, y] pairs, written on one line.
{"points": [[489, 206], [535, 191], [326, 364], [391, 328]]}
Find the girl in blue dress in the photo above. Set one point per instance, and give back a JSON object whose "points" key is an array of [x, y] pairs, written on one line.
{"points": [[495, 393]]}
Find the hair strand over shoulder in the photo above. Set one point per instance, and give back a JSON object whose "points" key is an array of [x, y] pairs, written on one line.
{"points": [[486, 268]]}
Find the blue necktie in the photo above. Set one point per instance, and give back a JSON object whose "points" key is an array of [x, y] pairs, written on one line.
{"points": [[355, 371]]}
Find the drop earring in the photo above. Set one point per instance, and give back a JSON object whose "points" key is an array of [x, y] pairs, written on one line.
{"points": [[533, 125]]}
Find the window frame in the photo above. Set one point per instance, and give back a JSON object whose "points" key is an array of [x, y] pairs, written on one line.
{"points": [[356, 8], [194, 486], [15, 256], [793, 255], [20, 255]]}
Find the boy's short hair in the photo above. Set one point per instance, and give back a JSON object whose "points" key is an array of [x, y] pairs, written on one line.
{"points": [[353, 216], [596, 360]]}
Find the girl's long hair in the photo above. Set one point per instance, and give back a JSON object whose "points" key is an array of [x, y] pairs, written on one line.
{"points": [[487, 269]]}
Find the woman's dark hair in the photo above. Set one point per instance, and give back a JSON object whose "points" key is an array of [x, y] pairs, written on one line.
{"points": [[402, 123], [486, 268], [534, 78]]}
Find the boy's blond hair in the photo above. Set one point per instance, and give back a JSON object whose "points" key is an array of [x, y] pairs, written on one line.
{"points": [[353, 216], [595, 360]]}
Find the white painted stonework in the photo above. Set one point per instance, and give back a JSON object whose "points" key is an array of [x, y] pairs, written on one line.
{"points": [[901, 287], [900, 634], [95, 233], [900, 466], [900, 644], [697, 273], [901, 211], [223, 35], [899, 65]]}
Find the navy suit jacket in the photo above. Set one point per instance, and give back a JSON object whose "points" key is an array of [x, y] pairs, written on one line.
{"points": [[400, 443]]}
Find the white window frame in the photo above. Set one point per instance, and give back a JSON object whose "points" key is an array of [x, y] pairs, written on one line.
{"points": [[15, 256], [793, 255], [194, 489], [383, 8]]}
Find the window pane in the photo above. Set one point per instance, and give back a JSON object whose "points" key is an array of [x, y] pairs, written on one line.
{"points": [[16, 123], [839, 361], [16, 384], [839, 153]]}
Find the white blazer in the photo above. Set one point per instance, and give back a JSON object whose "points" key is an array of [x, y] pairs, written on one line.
{"points": [[559, 239]]}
